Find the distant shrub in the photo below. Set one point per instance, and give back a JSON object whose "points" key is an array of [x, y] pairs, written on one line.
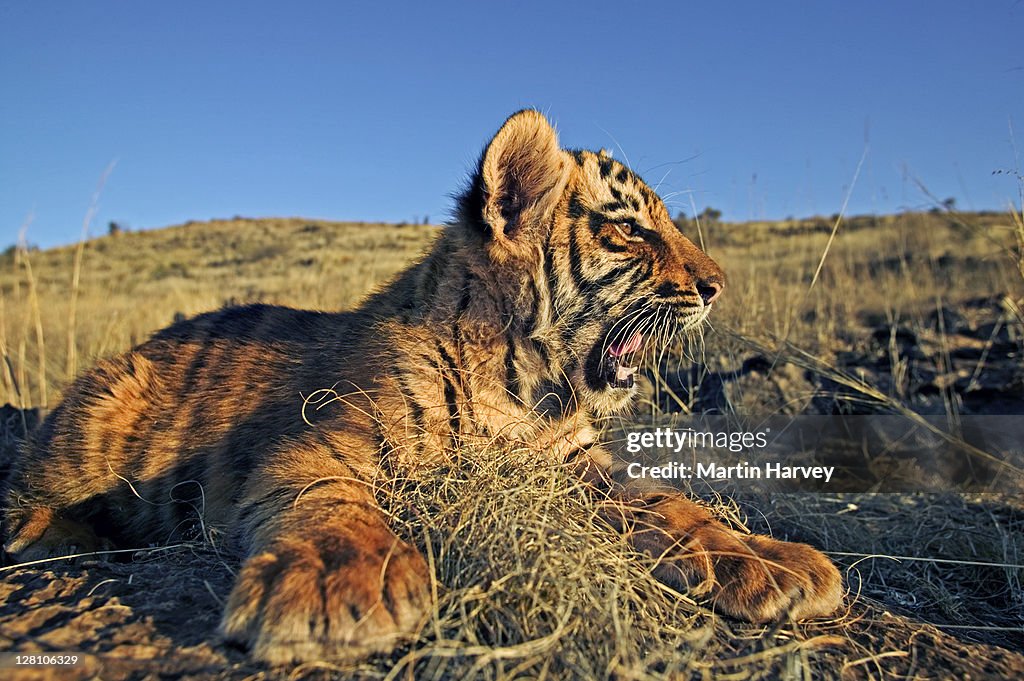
{"points": [[710, 215]]}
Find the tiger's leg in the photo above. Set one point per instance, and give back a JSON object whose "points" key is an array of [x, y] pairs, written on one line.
{"points": [[325, 576], [750, 577]]}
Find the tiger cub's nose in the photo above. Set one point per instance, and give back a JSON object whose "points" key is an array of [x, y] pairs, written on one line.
{"points": [[709, 289]]}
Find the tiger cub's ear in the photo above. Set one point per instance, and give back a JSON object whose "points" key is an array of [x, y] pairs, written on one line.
{"points": [[523, 173]]}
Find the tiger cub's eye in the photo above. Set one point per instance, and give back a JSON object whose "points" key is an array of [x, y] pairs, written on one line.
{"points": [[629, 231]]}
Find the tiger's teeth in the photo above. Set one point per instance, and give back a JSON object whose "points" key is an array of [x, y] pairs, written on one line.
{"points": [[623, 373]]}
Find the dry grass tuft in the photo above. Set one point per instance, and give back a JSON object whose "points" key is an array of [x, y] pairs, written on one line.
{"points": [[531, 583]]}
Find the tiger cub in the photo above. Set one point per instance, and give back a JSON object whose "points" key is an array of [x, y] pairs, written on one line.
{"points": [[522, 323]]}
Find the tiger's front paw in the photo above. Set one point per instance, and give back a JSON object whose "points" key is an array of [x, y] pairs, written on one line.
{"points": [[328, 596], [774, 579], [750, 577]]}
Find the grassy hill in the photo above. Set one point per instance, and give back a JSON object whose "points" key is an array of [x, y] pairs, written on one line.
{"points": [[896, 270], [132, 284]]}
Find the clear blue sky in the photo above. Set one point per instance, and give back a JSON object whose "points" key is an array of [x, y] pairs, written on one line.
{"points": [[375, 111]]}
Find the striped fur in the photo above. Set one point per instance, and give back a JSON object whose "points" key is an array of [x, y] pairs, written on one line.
{"points": [[267, 424]]}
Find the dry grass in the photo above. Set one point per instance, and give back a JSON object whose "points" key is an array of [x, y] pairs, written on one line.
{"points": [[529, 585], [880, 267]]}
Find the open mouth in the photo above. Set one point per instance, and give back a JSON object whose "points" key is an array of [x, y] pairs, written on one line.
{"points": [[614, 366]]}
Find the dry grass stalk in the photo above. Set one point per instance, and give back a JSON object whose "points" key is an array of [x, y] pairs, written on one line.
{"points": [[38, 319], [76, 272]]}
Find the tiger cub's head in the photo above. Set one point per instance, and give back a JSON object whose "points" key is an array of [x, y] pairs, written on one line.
{"points": [[590, 256]]}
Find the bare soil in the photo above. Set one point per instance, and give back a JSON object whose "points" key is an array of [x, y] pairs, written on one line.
{"points": [[157, 617]]}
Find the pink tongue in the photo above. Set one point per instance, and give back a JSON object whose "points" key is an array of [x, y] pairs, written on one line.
{"points": [[631, 345]]}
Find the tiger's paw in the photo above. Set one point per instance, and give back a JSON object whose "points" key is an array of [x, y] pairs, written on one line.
{"points": [[329, 596], [777, 579], [749, 577]]}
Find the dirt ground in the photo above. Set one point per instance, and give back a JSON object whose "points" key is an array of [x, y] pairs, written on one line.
{"points": [[157, 616]]}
